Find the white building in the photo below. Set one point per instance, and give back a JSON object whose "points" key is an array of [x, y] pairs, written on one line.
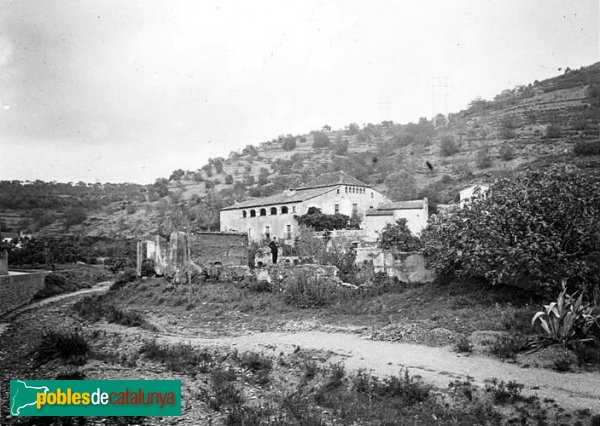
{"points": [[273, 216], [474, 190], [416, 213]]}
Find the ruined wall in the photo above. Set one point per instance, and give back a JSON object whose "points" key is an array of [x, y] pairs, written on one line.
{"points": [[3, 262], [407, 267], [18, 289], [208, 248]]}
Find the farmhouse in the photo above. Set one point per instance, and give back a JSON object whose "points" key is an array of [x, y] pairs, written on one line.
{"points": [[416, 213], [273, 216]]}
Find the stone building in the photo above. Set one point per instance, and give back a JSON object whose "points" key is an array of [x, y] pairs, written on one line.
{"points": [[273, 216], [416, 213]]}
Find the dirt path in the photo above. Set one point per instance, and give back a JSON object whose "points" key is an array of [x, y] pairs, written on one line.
{"points": [[100, 287], [437, 366]]}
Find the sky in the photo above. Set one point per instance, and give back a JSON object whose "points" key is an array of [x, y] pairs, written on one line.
{"points": [[128, 91]]}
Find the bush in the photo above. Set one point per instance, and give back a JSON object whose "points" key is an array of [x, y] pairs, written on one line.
{"points": [[553, 131], [181, 358], [303, 290], [448, 146], [397, 236], [506, 153], [531, 232], [583, 148], [320, 221], [320, 140], [70, 346], [483, 159]]}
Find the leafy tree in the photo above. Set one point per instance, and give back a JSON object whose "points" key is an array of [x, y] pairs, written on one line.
{"points": [[341, 147], [250, 150], [401, 186], [483, 159], [320, 140], [397, 236], [507, 127], [229, 180], [289, 143], [448, 146], [177, 175], [74, 216], [320, 221], [353, 129], [532, 231], [208, 170]]}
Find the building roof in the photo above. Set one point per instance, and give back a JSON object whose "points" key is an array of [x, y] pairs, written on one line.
{"points": [[287, 197], [374, 212], [333, 179], [402, 205]]}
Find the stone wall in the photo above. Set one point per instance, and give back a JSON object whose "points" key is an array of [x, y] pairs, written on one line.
{"points": [[18, 289], [407, 267], [229, 249]]}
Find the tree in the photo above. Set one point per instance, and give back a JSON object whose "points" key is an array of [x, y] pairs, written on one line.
{"points": [[483, 159], [229, 180], [74, 216], [397, 236], [289, 143], [177, 175], [448, 146], [401, 186], [320, 140], [532, 231], [319, 221], [263, 177], [341, 147]]}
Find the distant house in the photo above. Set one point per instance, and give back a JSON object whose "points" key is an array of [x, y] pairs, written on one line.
{"points": [[467, 194], [416, 213], [273, 216]]}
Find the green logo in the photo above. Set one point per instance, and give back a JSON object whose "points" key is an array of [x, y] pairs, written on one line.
{"points": [[95, 397]]}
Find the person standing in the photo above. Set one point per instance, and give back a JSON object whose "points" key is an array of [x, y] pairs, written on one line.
{"points": [[274, 249]]}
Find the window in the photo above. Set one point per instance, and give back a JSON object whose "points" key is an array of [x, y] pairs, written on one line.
{"points": [[273, 210], [371, 207], [288, 232], [346, 188], [263, 212], [371, 195], [337, 208], [354, 209], [294, 209], [252, 213], [249, 233], [244, 214], [268, 231], [338, 190], [284, 209]]}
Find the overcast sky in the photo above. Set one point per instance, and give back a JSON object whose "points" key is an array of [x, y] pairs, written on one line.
{"points": [[123, 90]]}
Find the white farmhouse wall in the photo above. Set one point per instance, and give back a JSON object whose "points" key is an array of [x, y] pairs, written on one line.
{"points": [[345, 197]]}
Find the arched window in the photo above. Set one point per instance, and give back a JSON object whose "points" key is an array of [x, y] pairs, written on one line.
{"points": [[244, 214], [263, 212], [273, 210], [253, 213], [284, 209]]}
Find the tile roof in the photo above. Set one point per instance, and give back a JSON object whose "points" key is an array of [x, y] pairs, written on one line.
{"points": [[333, 179], [288, 197]]}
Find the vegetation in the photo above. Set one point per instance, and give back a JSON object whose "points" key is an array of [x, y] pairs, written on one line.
{"points": [[567, 320], [320, 221], [69, 346], [531, 231], [397, 236], [583, 148], [448, 146]]}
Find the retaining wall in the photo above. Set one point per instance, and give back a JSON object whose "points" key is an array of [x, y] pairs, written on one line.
{"points": [[18, 289]]}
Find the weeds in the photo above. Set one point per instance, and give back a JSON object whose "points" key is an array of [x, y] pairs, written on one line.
{"points": [[94, 308], [181, 358], [504, 392], [463, 345], [506, 346], [69, 346]]}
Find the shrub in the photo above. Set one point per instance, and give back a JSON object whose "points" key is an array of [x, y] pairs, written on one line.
{"points": [[448, 146], [506, 346], [483, 159], [553, 131], [568, 319], [181, 358], [320, 140], [397, 236], [463, 345], [70, 346], [583, 148], [320, 221], [303, 290], [506, 153], [531, 231], [504, 392]]}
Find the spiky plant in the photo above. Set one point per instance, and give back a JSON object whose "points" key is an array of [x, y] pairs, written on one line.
{"points": [[567, 319]]}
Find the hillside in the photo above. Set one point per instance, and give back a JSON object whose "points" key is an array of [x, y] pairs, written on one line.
{"points": [[555, 120]]}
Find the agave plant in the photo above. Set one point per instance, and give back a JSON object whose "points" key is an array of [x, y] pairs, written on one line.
{"points": [[567, 319]]}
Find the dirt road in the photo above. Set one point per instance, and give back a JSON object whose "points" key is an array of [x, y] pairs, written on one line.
{"points": [[438, 366]]}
